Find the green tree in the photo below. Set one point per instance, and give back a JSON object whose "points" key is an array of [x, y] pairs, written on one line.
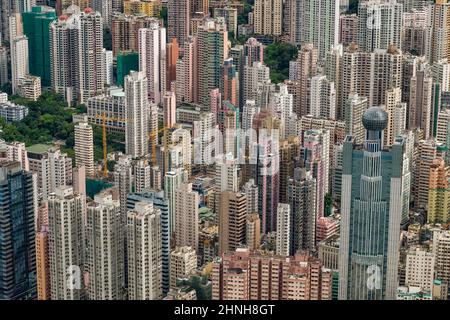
{"points": [[163, 15], [277, 57]]}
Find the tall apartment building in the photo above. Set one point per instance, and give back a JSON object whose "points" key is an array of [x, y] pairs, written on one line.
{"points": [[354, 110], [160, 202], [396, 115], [144, 251], [416, 32], [212, 51], [301, 70], [112, 105], [283, 238], [230, 15], [302, 189], [152, 59], [172, 181], [443, 126], [420, 268], [253, 52], [320, 24], [254, 74], [173, 54], [369, 74], [123, 179], [137, 7], [17, 226], [42, 264], [253, 231], [421, 113], [322, 98], [84, 147], [439, 192], [186, 216], [3, 65], [440, 24], [66, 211], [19, 61], [124, 31], [316, 159], [15, 151], [348, 29], [179, 16], [362, 255], [379, 24], [243, 275], [53, 168], [427, 151], [232, 220], [36, 27], [137, 113], [76, 52], [186, 72], [441, 252], [268, 17], [183, 261], [104, 249]]}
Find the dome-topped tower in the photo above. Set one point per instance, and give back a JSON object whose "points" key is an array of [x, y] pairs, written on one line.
{"points": [[375, 119]]}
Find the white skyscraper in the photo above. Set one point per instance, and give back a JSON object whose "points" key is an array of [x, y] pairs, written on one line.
{"points": [[137, 113], [322, 98], [152, 55], [19, 61], [53, 168], [105, 256], [420, 268], [186, 216], [172, 181], [283, 229], [142, 175], [379, 24], [84, 147], [144, 252], [319, 24], [354, 110], [108, 68], [66, 243], [123, 179], [253, 75], [76, 51]]}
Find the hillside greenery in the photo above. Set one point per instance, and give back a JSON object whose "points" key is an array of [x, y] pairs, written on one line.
{"points": [[277, 57], [50, 119]]}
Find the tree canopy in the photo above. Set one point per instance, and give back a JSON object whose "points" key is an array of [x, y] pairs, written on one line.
{"points": [[277, 57], [50, 119]]}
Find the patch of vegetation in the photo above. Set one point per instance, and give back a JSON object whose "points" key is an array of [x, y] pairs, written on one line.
{"points": [[277, 57], [243, 17], [353, 6], [50, 119], [163, 15], [107, 39]]}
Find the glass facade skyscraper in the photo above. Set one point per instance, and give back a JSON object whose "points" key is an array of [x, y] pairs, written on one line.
{"points": [[371, 213], [17, 233]]}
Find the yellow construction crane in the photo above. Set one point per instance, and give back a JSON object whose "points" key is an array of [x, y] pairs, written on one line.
{"points": [[105, 146]]}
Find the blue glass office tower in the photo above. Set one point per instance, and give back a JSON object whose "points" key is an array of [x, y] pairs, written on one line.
{"points": [[17, 235], [371, 213]]}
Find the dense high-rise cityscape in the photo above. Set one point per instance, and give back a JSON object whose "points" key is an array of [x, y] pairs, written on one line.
{"points": [[225, 150]]}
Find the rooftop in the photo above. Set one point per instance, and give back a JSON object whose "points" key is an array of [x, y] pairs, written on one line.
{"points": [[39, 148]]}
